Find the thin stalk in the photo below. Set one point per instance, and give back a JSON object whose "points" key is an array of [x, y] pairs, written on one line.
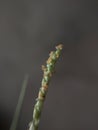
{"points": [[19, 104], [47, 74]]}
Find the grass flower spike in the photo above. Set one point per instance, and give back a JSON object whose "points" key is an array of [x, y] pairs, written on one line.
{"points": [[48, 71]]}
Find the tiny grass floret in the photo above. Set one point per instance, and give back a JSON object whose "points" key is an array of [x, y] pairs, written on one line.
{"points": [[48, 71]]}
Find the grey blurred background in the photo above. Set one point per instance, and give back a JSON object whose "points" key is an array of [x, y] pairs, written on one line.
{"points": [[29, 30]]}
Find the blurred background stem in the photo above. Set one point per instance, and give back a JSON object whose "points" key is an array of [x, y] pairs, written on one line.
{"points": [[19, 104]]}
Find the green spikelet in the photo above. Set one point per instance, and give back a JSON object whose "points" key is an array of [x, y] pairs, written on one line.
{"points": [[47, 74]]}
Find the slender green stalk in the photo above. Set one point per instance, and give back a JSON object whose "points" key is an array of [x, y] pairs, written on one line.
{"points": [[47, 74], [19, 105]]}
